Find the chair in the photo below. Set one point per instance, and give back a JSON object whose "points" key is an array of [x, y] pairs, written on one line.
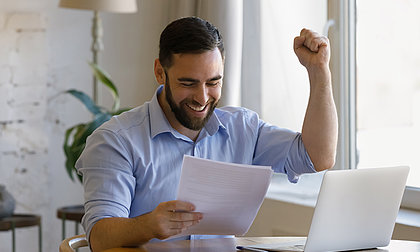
{"points": [[72, 243]]}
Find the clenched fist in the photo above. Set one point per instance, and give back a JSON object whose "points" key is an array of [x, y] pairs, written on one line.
{"points": [[312, 49]]}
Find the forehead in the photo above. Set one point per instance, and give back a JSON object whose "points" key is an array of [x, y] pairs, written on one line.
{"points": [[206, 63]]}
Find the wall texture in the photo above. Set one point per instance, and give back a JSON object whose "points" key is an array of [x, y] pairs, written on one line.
{"points": [[43, 51], [24, 133]]}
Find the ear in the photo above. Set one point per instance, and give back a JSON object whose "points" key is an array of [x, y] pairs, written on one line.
{"points": [[159, 72]]}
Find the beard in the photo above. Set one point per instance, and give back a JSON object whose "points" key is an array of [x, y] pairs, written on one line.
{"points": [[190, 122]]}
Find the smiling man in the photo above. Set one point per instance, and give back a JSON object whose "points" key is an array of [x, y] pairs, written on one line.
{"points": [[132, 164], [197, 92]]}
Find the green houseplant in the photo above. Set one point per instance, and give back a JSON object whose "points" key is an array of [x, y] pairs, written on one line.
{"points": [[75, 137]]}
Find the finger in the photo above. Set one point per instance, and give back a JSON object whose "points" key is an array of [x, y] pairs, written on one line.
{"points": [[310, 38], [306, 40], [311, 43], [307, 33], [304, 32], [298, 42], [178, 205], [318, 42], [170, 228], [183, 216], [169, 232], [182, 225], [313, 40]]}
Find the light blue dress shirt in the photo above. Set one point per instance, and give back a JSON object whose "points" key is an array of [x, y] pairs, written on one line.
{"points": [[133, 162]]}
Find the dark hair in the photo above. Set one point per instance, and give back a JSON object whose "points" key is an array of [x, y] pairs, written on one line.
{"points": [[188, 35]]}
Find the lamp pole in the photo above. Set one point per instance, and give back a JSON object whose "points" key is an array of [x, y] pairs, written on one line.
{"points": [[97, 46], [119, 6]]}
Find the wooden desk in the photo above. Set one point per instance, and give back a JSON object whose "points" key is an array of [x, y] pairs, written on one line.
{"points": [[229, 245]]}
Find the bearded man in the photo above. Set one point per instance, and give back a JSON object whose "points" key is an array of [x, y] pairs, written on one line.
{"points": [[132, 164]]}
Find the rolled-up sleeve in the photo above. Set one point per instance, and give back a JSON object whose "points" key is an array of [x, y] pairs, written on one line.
{"points": [[108, 178], [283, 149]]}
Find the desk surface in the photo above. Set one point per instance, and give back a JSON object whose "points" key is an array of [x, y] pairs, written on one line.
{"points": [[229, 244]]}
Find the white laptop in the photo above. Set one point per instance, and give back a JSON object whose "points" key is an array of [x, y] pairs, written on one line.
{"points": [[356, 209]]}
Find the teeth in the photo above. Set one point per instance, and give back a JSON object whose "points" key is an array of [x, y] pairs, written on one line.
{"points": [[198, 109]]}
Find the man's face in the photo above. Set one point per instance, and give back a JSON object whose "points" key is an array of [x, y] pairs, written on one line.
{"points": [[193, 86]]}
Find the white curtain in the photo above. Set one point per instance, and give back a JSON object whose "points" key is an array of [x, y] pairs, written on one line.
{"points": [[228, 17]]}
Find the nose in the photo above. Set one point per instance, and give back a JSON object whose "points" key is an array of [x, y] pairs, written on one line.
{"points": [[201, 94]]}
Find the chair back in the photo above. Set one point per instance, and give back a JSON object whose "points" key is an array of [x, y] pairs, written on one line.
{"points": [[72, 243]]}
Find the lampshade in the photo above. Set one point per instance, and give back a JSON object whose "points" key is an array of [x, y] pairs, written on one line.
{"points": [[101, 5]]}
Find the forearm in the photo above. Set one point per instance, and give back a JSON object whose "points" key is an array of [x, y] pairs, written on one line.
{"points": [[167, 219], [118, 232], [320, 127]]}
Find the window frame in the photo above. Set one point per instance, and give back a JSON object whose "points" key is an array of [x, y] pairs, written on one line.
{"points": [[342, 65]]}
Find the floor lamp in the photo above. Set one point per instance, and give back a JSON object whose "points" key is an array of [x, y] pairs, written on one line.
{"points": [[118, 6]]}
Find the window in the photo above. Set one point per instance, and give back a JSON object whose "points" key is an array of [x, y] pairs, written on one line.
{"points": [[378, 96], [388, 85], [277, 85], [379, 107], [285, 83]]}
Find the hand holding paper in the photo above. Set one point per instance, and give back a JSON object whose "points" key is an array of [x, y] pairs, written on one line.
{"points": [[228, 195], [172, 217]]}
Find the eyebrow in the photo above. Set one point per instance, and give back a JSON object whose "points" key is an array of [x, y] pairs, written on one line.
{"points": [[186, 79]]}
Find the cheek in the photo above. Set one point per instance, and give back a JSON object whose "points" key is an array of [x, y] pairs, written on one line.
{"points": [[180, 96], [216, 93]]}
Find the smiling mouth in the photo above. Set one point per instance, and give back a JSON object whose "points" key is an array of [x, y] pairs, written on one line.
{"points": [[197, 108]]}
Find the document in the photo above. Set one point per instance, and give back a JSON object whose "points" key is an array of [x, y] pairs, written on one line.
{"points": [[291, 246], [229, 195]]}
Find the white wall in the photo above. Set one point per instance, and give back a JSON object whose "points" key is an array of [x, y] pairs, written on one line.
{"points": [[48, 48]]}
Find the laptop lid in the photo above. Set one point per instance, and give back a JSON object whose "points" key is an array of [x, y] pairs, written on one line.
{"points": [[356, 209]]}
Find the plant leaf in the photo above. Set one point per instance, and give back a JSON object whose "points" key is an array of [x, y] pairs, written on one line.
{"points": [[75, 141], [86, 100], [81, 136], [70, 157], [75, 137], [106, 80], [80, 177]]}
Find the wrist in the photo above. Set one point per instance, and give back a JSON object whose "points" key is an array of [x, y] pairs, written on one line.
{"points": [[144, 226], [319, 76]]}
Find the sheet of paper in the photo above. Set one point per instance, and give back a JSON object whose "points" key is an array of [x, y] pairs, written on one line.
{"points": [[229, 195], [292, 246]]}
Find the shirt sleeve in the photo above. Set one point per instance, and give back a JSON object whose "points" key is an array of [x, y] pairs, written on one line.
{"points": [[283, 149], [108, 179]]}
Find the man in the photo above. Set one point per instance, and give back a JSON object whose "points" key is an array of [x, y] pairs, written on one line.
{"points": [[131, 164]]}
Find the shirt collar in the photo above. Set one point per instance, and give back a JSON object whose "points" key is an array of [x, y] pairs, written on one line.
{"points": [[160, 124], [213, 125]]}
